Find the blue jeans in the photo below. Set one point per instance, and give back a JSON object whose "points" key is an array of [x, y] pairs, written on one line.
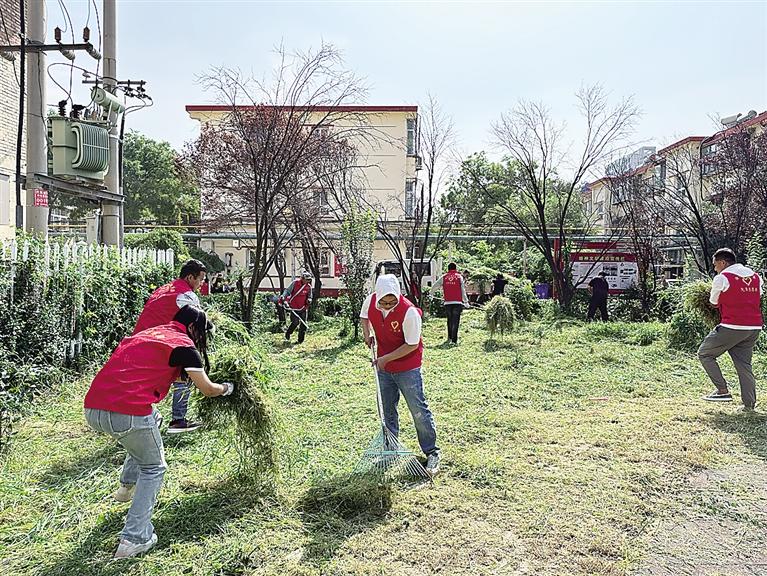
{"points": [[182, 390], [410, 385], [144, 464]]}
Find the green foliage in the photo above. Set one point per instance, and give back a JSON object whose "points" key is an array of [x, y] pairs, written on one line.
{"points": [[520, 293], [667, 303], [358, 232], [756, 252], [68, 316], [500, 316], [212, 262], [156, 191], [160, 239], [639, 334], [686, 331]]}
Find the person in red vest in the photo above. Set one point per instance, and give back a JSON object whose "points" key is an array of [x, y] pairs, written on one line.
{"points": [[159, 309], [455, 299], [393, 323], [297, 298], [736, 291], [205, 287], [138, 374]]}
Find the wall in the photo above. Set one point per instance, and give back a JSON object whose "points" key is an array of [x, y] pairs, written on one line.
{"points": [[9, 117]]}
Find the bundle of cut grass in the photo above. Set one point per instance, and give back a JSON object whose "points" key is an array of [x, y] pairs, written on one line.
{"points": [[696, 295], [500, 316], [228, 330], [247, 407]]}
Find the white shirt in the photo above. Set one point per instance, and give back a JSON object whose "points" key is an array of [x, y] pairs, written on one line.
{"points": [[721, 284], [411, 325]]}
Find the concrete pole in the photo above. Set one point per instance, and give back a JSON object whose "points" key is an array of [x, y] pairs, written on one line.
{"points": [[37, 127], [111, 221]]}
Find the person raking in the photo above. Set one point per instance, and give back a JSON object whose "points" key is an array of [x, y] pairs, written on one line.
{"points": [[139, 374], [160, 309], [392, 323], [297, 298], [736, 290], [455, 299]]}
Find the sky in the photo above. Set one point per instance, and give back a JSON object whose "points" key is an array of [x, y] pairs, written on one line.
{"points": [[682, 62]]}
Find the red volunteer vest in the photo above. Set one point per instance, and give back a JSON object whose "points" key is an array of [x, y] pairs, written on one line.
{"points": [[389, 334], [451, 286], [299, 295], [739, 305], [161, 306], [137, 374]]}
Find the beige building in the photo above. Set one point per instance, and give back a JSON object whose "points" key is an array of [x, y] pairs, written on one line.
{"points": [[9, 119], [677, 166], [389, 178]]}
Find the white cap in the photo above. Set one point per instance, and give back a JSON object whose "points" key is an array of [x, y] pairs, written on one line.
{"points": [[387, 284]]}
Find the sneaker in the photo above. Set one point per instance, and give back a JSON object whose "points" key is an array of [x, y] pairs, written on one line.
{"points": [[287, 338], [129, 549], [717, 396], [124, 493], [432, 463], [181, 426], [747, 409]]}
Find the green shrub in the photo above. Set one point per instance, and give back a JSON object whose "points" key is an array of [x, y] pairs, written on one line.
{"points": [[667, 302], [520, 292], [500, 316], [212, 262], [686, 331]]}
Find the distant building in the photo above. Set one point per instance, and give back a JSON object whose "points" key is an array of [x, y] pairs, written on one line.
{"points": [[390, 182]]}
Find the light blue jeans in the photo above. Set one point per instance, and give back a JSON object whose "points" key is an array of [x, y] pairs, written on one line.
{"points": [[410, 385], [144, 464]]}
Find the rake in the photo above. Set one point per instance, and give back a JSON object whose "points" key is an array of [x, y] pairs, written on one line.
{"points": [[386, 457]]}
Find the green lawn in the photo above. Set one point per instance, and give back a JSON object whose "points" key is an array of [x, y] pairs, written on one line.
{"points": [[566, 450]]}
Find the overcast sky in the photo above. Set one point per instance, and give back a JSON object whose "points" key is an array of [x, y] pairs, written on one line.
{"points": [[681, 61]]}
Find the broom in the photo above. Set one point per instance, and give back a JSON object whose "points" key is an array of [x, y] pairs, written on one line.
{"points": [[386, 457]]}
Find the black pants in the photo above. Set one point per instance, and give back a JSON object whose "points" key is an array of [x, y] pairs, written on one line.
{"points": [[597, 303], [453, 320], [296, 323]]}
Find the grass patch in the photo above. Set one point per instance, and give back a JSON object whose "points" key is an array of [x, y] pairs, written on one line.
{"points": [[567, 449]]}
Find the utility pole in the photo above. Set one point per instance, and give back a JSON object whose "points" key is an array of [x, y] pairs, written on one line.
{"points": [[112, 211], [37, 126]]}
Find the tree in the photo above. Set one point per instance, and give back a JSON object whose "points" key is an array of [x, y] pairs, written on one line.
{"points": [[543, 196], [156, 189], [427, 225], [257, 166], [358, 233]]}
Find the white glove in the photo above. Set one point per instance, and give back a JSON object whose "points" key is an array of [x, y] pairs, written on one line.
{"points": [[229, 388]]}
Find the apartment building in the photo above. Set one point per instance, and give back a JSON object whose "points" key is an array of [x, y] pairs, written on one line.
{"points": [[390, 179], [677, 166], [9, 120]]}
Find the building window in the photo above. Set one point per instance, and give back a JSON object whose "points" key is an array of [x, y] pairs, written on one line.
{"points": [[411, 136], [325, 263], [600, 209], [410, 205], [321, 200]]}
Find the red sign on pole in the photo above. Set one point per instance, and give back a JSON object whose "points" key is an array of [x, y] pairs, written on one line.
{"points": [[40, 197]]}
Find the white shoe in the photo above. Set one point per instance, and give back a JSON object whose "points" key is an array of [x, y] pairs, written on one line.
{"points": [[129, 549], [124, 493], [432, 464]]}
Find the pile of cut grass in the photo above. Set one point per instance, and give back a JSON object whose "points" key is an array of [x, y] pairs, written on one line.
{"points": [[237, 358]]}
